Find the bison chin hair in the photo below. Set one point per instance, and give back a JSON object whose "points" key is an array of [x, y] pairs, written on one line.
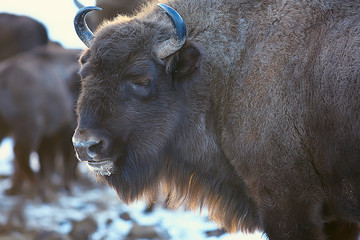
{"points": [[134, 176], [146, 177], [227, 204]]}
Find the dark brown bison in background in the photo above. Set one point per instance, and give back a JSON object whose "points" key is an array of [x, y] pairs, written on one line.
{"points": [[252, 111], [110, 9], [19, 34], [38, 91]]}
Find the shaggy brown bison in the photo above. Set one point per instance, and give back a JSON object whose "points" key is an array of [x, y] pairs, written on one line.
{"points": [[250, 108], [37, 98], [19, 34]]}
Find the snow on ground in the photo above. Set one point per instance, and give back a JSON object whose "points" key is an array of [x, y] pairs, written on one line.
{"points": [[102, 204]]}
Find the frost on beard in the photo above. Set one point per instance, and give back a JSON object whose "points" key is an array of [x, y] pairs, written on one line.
{"points": [[102, 169]]}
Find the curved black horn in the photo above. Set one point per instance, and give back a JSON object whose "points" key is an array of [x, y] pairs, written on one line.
{"points": [[81, 28], [173, 44], [78, 4]]}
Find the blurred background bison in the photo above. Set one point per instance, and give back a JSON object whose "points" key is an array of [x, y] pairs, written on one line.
{"points": [[38, 91], [19, 34]]}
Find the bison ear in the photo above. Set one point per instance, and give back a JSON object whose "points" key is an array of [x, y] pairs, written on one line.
{"points": [[185, 62]]}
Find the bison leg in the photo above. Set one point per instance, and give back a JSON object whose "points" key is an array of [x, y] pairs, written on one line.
{"points": [[22, 170], [69, 167], [342, 230], [69, 161], [3, 130], [47, 156]]}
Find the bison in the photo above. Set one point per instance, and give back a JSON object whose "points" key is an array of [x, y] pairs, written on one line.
{"points": [[38, 91], [20, 34], [248, 108]]}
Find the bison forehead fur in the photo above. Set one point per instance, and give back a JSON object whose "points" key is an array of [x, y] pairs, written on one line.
{"points": [[256, 117]]}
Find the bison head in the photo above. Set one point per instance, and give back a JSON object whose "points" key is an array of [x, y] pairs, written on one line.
{"points": [[132, 102], [143, 117]]}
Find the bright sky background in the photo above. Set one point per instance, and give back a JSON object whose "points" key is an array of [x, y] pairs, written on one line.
{"points": [[57, 16]]}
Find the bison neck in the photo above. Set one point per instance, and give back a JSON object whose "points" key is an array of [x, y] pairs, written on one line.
{"points": [[197, 174]]}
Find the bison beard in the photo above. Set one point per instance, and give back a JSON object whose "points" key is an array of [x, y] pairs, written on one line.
{"points": [[252, 112], [138, 175]]}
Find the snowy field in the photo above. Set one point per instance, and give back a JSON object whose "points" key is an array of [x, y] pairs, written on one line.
{"points": [[101, 204]]}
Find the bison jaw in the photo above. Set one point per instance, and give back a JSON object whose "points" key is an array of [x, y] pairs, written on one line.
{"points": [[103, 168]]}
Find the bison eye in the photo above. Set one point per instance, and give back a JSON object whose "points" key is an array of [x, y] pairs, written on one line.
{"points": [[142, 88]]}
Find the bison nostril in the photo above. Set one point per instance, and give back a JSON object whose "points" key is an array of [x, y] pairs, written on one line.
{"points": [[95, 149]]}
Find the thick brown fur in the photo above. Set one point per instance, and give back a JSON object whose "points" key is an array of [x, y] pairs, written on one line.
{"points": [[257, 117], [38, 92]]}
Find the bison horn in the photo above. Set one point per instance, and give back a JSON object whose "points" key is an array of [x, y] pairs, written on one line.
{"points": [[173, 44], [81, 28]]}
